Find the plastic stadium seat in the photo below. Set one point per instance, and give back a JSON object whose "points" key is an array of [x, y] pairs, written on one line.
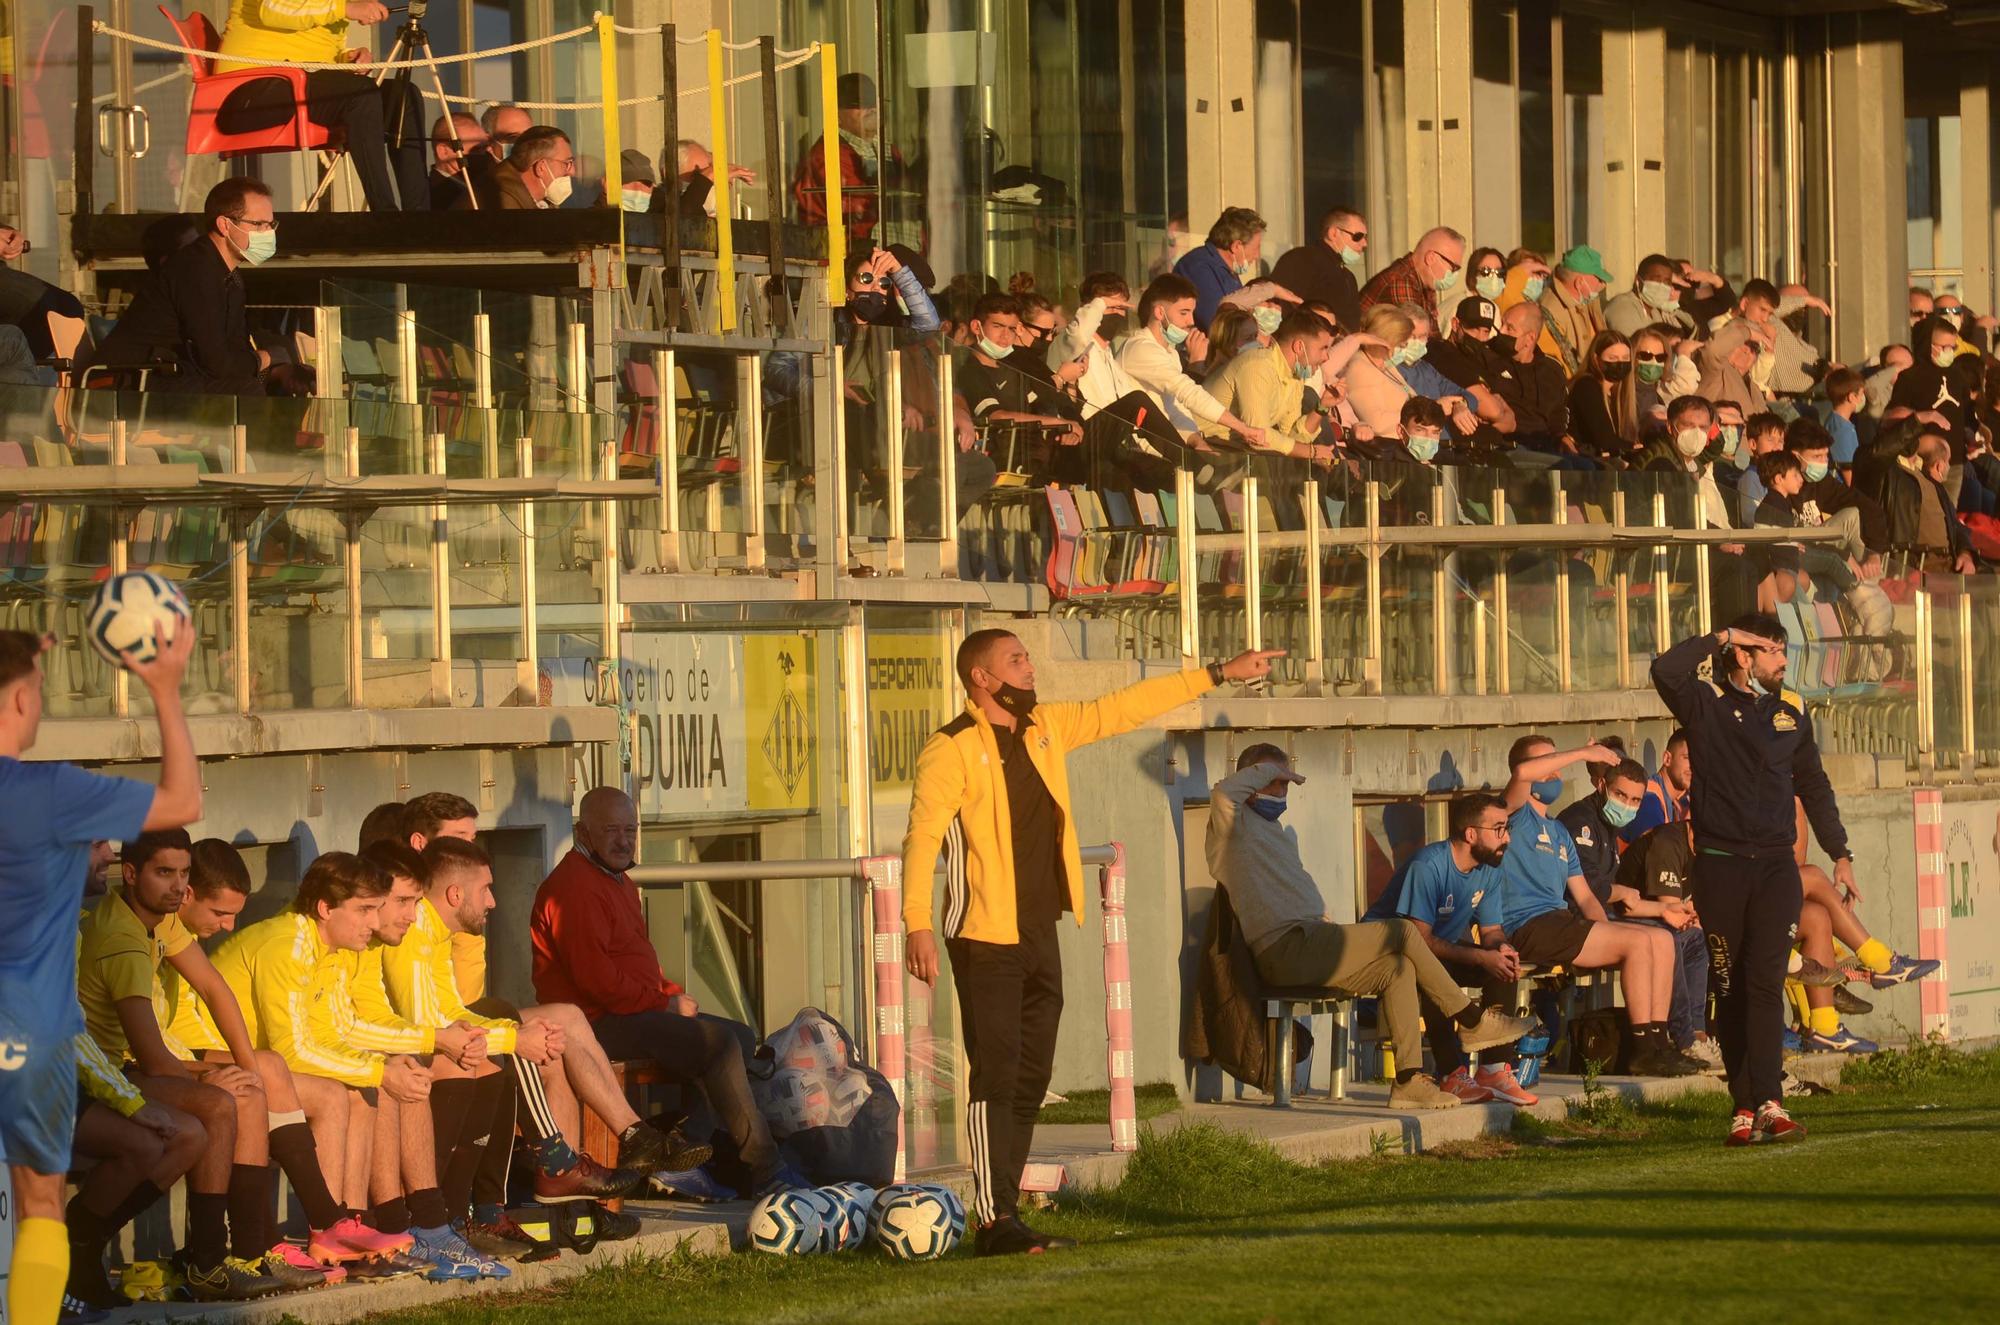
{"points": [[211, 89]]}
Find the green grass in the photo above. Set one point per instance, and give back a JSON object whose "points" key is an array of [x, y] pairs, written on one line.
{"points": [[1890, 1210], [1094, 1106]]}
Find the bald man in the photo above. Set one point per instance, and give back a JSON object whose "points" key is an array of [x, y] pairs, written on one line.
{"points": [[1421, 275], [591, 949]]}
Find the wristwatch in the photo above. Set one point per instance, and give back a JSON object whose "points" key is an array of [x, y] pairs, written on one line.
{"points": [[1215, 675]]}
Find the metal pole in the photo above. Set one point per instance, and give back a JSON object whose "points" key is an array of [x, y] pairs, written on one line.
{"points": [[352, 522], [1967, 696], [667, 422], [1184, 547], [1663, 620], [751, 476], [891, 420], [1372, 666], [1441, 632], [86, 105], [670, 217], [1565, 681], [239, 575], [121, 561], [1926, 682], [1118, 1045], [947, 426], [1622, 588], [1315, 591], [1503, 644], [835, 463], [775, 178], [1253, 572]]}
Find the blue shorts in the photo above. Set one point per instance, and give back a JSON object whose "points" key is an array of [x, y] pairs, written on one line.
{"points": [[37, 1103]]}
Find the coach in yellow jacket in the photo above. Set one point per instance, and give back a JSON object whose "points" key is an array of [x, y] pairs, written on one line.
{"points": [[992, 792]]}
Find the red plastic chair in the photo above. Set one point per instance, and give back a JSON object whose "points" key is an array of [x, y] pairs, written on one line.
{"points": [[204, 136]]}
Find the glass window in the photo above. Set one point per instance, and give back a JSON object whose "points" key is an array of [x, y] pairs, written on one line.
{"points": [[1332, 99], [1496, 130], [1583, 129], [1391, 176], [1535, 116]]}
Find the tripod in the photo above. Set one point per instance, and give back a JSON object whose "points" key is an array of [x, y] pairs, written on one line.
{"points": [[412, 43]]}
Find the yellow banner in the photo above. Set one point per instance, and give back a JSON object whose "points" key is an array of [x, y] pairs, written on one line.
{"points": [[781, 720], [911, 693], [836, 224]]}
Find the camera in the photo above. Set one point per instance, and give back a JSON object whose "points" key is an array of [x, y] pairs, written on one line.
{"points": [[417, 10]]}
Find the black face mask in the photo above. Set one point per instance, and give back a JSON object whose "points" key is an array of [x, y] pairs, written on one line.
{"points": [[869, 305], [1616, 372], [1018, 702]]}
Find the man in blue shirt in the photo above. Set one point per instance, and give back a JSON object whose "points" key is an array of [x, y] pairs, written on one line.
{"points": [[54, 813], [1540, 880], [1442, 890], [1219, 267], [1666, 798]]}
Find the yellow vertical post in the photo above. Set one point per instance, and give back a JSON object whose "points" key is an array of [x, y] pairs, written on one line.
{"points": [[836, 224], [607, 59], [725, 248]]}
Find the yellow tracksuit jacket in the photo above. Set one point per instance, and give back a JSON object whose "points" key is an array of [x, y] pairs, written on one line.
{"points": [[294, 994], [423, 985], [959, 804], [368, 1020]]}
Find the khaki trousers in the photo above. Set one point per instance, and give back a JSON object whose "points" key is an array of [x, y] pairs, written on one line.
{"points": [[1385, 959]]}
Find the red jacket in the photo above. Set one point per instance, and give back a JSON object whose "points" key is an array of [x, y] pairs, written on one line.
{"points": [[591, 946]]}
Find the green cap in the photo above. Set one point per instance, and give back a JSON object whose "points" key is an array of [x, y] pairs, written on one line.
{"points": [[1585, 261]]}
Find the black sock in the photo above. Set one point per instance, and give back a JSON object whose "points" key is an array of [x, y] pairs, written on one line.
{"points": [[1468, 1017], [293, 1148], [392, 1216], [427, 1208], [89, 1235], [207, 1229], [142, 1199], [1407, 1075], [249, 1218], [86, 1226]]}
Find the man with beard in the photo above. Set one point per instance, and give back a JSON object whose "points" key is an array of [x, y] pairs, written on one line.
{"points": [[1441, 891]]}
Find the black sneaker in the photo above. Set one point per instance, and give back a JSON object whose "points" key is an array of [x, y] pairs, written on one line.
{"points": [[1048, 1241], [1850, 1004], [1007, 1236], [613, 1225], [1660, 1059], [647, 1149], [502, 1240]]}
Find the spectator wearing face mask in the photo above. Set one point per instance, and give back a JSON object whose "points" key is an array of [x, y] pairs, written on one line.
{"points": [[694, 171], [1603, 421], [1527, 277], [1474, 356], [1846, 395], [1419, 439], [1937, 388], [1824, 500], [1225, 263], [1375, 385], [1427, 271], [1461, 405], [1726, 364], [537, 175], [1486, 273], [1152, 356], [1328, 270], [876, 279], [1572, 317], [1684, 450], [868, 169], [1680, 377], [1263, 387], [450, 159], [1971, 328], [1125, 430], [1705, 296], [1655, 297], [1923, 521], [1533, 386]]}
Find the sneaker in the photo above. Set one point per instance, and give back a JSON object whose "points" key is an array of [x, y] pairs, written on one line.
{"points": [[233, 1280], [1421, 1092], [393, 1266], [89, 1284], [1660, 1059], [614, 1225], [1812, 973], [1774, 1124], [446, 1256], [1048, 1241], [1500, 1080], [1742, 1129], [786, 1179], [352, 1240], [1850, 1004], [586, 1180], [1460, 1083], [647, 1149], [1903, 969], [1791, 1041], [294, 1269], [1707, 1052], [1495, 1027], [1008, 1237], [75, 1311], [1842, 1041], [692, 1185], [502, 1240]]}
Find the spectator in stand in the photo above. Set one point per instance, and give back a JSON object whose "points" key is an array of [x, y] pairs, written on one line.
{"points": [[1921, 306], [1486, 274], [1374, 382], [50, 318], [191, 320], [1328, 270], [1419, 438], [1762, 434], [591, 950], [1225, 263], [312, 32], [694, 174], [1655, 297], [1420, 276], [636, 183], [1705, 296], [1651, 887], [1923, 520], [504, 123], [1126, 434], [1527, 277], [1541, 880], [1264, 387], [1666, 797], [1283, 918], [450, 161], [1940, 387], [1825, 500], [867, 169], [1727, 362], [1796, 365], [1017, 411], [1461, 405], [1474, 356], [1603, 411], [1685, 450], [1846, 395], [538, 174], [1441, 890], [1152, 357], [1233, 331], [1534, 388], [1652, 352], [1570, 307]]}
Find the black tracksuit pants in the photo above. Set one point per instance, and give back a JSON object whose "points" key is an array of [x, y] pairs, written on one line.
{"points": [[1441, 1027], [1750, 910], [1010, 998]]}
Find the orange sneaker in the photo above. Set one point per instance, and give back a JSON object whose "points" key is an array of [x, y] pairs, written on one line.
{"points": [[1460, 1083], [1500, 1081]]}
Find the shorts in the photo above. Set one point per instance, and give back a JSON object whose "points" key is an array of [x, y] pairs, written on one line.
{"points": [[37, 1102], [1551, 939]]}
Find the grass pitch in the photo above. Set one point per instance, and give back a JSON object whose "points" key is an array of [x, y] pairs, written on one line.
{"points": [[1889, 1210]]}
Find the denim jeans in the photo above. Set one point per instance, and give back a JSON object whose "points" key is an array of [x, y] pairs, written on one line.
{"points": [[1687, 1012]]}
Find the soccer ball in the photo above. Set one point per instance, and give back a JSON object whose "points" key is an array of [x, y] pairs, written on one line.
{"points": [[847, 1228], [786, 1223], [126, 614], [831, 1215], [913, 1223], [797, 1102]]}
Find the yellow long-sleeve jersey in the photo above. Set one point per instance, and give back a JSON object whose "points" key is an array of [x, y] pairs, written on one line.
{"points": [[374, 1022], [293, 990], [423, 985]]}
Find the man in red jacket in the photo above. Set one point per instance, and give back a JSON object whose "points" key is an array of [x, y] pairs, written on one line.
{"points": [[591, 949]]}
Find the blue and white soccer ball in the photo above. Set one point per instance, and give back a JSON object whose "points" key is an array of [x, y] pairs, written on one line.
{"points": [[827, 1204], [127, 615], [786, 1223], [852, 1203], [917, 1223]]}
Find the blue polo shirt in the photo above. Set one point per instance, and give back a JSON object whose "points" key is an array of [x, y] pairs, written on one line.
{"points": [[1208, 271], [1535, 873], [54, 812], [1845, 440], [1430, 887]]}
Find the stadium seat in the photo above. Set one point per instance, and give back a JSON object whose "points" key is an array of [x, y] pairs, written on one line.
{"points": [[1280, 1007], [599, 1141], [204, 136]]}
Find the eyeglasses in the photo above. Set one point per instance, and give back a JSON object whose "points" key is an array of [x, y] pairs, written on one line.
{"points": [[1042, 328], [272, 226], [864, 278], [1499, 829], [1644, 356], [1448, 263]]}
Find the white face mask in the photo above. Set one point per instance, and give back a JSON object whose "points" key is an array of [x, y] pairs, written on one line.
{"points": [[558, 190], [1690, 442], [635, 200]]}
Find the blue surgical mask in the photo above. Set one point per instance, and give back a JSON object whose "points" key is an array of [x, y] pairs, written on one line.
{"points": [[1271, 807], [1302, 370], [259, 247], [1267, 318], [635, 200], [1534, 287], [1422, 446], [1618, 814], [1815, 470], [1175, 335], [1547, 790], [1659, 294], [992, 351], [1350, 256], [1446, 281], [1490, 287], [1245, 270]]}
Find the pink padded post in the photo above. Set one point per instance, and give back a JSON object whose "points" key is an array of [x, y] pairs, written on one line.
{"points": [[883, 875], [1118, 1004]]}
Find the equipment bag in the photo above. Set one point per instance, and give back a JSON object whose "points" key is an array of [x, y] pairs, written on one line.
{"points": [[832, 1114]]}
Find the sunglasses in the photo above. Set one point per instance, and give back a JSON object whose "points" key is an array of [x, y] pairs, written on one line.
{"points": [[1487, 271], [1352, 234], [1643, 357]]}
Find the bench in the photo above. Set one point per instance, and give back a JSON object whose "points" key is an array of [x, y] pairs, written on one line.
{"points": [[598, 1140], [1280, 1007]]}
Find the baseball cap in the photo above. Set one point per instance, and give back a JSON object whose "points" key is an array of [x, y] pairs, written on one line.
{"points": [[1477, 312], [634, 168], [1585, 261]]}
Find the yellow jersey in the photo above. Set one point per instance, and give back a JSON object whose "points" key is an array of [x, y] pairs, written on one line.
{"points": [[293, 990], [118, 958], [422, 980]]}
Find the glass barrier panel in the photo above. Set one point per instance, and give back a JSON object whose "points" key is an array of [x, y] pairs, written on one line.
{"points": [[398, 603], [639, 536], [1410, 620], [865, 393], [1472, 655], [1950, 657], [191, 545], [1281, 570], [487, 577], [1585, 499], [1983, 652], [1219, 517], [52, 555], [569, 571], [297, 608], [1530, 495], [923, 462], [1632, 570], [1537, 581]]}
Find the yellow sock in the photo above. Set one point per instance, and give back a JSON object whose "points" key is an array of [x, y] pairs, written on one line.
{"points": [[1875, 955], [1802, 1010], [41, 1268], [1826, 1020]]}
